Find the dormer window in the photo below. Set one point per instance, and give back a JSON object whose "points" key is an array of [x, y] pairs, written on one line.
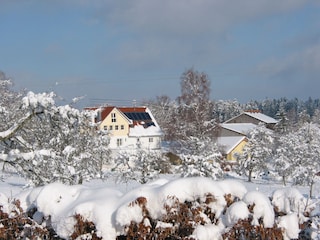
{"points": [[113, 117]]}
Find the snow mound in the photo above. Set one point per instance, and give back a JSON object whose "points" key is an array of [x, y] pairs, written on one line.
{"points": [[290, 224], [235, 212], [262, 208], [290, 200]]}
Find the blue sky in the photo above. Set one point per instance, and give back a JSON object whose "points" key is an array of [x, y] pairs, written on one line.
{"points": [[117, 51]]}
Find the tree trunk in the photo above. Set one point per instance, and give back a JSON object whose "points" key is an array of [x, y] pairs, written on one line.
{"points": [[311, 189], [284, 180], [250, 176]]}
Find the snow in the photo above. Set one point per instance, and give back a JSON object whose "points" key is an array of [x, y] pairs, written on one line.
{"points": [[35, 100], [262, 208], [208, 232], [290, 200], [112, 206], [262, 117], [290, 224], [140, 131], [236, 211]]}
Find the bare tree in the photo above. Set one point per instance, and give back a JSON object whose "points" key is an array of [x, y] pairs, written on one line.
{"points": [[195, 108]]}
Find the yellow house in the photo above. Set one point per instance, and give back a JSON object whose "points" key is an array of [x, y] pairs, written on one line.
{"points": [[231, 146], [128, 127]]}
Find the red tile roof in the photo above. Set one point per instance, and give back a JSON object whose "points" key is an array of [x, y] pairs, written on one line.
{"points": [[132, 109], [105, 111]]}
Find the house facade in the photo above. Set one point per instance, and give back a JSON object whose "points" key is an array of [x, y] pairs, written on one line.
{"points": [[129, 128]]}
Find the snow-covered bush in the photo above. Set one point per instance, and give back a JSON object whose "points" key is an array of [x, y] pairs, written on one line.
{"points": [[186, 208]]}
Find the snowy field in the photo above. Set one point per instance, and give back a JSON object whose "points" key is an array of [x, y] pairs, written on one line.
{"points": [[110, 205]]}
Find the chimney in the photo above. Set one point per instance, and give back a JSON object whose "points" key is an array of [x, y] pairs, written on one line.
{"points": [[253, 111]]}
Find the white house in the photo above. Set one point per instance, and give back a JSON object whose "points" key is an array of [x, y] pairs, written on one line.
{"points": [[128, 127]]}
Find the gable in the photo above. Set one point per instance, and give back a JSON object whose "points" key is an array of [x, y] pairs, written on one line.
{"points": [[114, 117]]}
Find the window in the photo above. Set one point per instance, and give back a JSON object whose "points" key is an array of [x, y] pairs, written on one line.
{"points": [[105, 128], [119, 142], [116, 127], [113, 117], [150, 140], [110, 127], [122, 127]]}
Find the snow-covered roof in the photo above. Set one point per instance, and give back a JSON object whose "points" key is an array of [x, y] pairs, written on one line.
{"points": [[243, 128], [262, 117], [141, 131], [229, 143], [256, 115]]}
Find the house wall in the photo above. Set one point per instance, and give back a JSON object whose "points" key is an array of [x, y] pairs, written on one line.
{"points": [[244, 119], [223, 132], [144, 142], [237, 150]]}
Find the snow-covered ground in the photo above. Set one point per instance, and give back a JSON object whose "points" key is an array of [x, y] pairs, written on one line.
{"points": [[109, 204]]}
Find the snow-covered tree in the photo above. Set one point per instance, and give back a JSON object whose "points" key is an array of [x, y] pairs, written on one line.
{"points": [[256, 153], [226, 109], [139, 165], [316, 117], [100, 151], [284, 161], [165, 111], [283, 123], [307, 154], [44, 142], [200, 157]]}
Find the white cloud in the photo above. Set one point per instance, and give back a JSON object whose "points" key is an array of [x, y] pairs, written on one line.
{"points": [[304, 62], [190, 17]]}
